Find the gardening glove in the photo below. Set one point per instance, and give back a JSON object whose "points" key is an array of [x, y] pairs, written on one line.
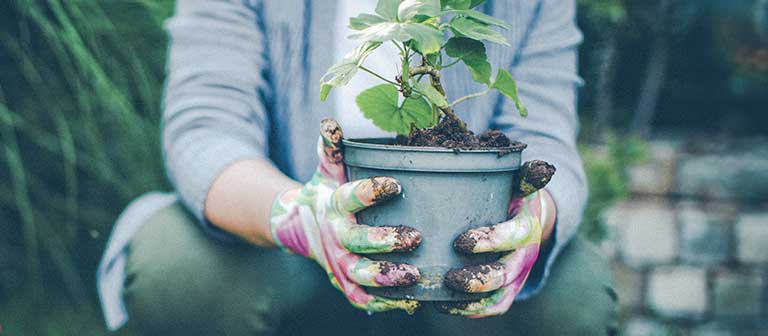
{"points": [[318, 221], [521, 235]]}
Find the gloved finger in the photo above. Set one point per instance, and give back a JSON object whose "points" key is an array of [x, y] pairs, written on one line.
{"points": [[510, 270], [380, 273], [533, 175], [363, 239], [354, 196], [380, 304], [505, 236], [476, 278], [330, 151], [496, 304], [360, 299]]}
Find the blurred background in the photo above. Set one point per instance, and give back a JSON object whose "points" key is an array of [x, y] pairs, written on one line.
{"points": [[674, 137]]}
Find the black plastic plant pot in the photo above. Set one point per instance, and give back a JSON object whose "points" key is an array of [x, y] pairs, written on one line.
{"points": [[444, 193]]}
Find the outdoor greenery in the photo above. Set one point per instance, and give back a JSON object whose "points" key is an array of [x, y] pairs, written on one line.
{"points": [[80, 83], [416, 29], [80, 88]]}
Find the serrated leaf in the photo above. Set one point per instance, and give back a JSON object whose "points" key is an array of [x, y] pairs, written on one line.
{"points": [[507, 86], [388, 9], [428, 39], [410, 8], [472, 53], [382, 32], [380, 105], [342, 72], [476, 30], [363, 21], [432, 94], [483, 18]]}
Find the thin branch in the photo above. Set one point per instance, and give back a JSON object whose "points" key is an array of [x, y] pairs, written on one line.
{"points": [[402, 51], [452, 63], [470, 96], [376, 75]]}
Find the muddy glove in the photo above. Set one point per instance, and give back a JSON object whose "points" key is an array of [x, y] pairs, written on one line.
{"points": [[520, 237], [317, 221]]}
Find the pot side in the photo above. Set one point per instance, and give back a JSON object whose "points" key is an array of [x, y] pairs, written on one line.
{"points": [[444, 193]]}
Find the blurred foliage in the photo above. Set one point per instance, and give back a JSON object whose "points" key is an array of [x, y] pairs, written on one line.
{"points": [[80, 86], [602, 12], [607, 176]]}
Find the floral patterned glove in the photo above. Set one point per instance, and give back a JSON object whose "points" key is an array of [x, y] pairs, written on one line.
{"points": [[317, 221], [521, 235]]}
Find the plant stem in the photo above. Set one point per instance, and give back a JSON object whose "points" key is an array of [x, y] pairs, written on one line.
{"points": [[470, 96], [376, 75], [402, 51], [451, 64], [434, 79]]}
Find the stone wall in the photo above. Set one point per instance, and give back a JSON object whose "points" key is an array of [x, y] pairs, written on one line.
{"points": [[690, 246]]}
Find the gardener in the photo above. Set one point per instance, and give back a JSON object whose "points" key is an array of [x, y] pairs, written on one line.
{"points": [[240, 132]]}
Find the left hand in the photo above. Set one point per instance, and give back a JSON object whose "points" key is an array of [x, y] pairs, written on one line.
{"points": [[520, 237]]}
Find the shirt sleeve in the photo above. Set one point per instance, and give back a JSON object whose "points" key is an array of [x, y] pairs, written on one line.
{"points": [[545, 70], [213, 108]]}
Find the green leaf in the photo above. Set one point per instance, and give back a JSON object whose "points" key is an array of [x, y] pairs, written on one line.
{"points": [[483, 18], [382, 32], [388, 9], [410, 8], [380, 105], [428, 39], [342, 72], [325, 90], [476, 3], [507, 86], [456, 4], [472, 53], [432, 94], [476, 30], [363, 21]]}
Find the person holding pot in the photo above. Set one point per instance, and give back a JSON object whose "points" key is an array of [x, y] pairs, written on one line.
{"points": [[252, 173]]}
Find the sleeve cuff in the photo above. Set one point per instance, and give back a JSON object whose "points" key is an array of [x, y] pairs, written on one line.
{"points": [[203, 166]]}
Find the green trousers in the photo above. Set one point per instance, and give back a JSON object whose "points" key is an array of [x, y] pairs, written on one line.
{"points": [[181, 282]]}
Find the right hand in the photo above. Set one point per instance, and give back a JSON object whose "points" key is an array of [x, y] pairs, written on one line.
{"points": [[317, 221]]}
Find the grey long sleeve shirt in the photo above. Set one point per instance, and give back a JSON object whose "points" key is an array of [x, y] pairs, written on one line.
{"points": [[244, 80]]}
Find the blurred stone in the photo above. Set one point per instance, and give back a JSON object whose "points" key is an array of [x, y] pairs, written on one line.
{"points": [[646, 233], [643, 326], [731, 327], [678, 291], [705, 237], [738, 294], [611, 218], [656, 175], [752, 238], [629, 286], [714, 329], [743, 176]]}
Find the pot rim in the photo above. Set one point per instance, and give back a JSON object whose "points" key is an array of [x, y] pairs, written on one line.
{"points": [[366, 143]]}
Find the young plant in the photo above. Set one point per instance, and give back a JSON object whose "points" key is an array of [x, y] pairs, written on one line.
{"points": [[416, 28]]}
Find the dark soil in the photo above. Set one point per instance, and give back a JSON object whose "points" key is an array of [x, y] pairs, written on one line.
{"points": [[448, 133], [460, 279], [409, 278]]}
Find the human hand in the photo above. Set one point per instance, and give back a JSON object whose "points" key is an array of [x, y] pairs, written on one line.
{"points": [[317, 221], [521, 235]]}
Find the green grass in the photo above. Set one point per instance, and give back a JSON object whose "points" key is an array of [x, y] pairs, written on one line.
{"points": [[80, 86]]}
